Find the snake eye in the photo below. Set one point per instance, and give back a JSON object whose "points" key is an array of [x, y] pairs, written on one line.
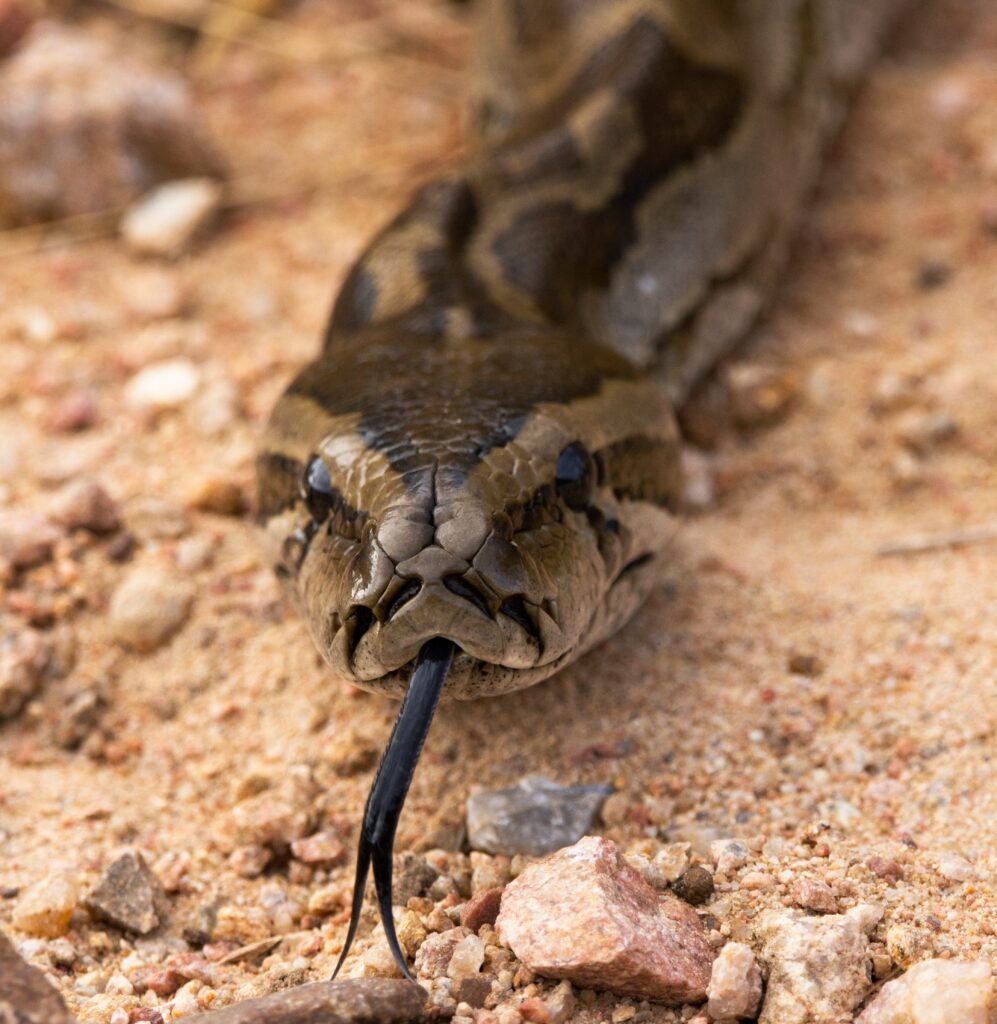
{"points": [[574, 475], [317, 490]]}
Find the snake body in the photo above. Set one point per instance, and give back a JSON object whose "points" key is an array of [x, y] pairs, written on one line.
{"points": [[485, 451]]}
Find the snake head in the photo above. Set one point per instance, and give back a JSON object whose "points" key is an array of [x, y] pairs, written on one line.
{"points": [[509, 493]]}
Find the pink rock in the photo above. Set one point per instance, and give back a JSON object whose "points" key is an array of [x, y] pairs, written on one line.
{"points": [[482, 908], [583, 914], [813, 895], [936, 992]]}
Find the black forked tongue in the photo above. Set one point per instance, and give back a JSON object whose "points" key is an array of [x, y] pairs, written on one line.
{"points": [[391, 784]]}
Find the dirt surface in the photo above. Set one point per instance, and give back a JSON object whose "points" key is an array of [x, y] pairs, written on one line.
{"points": [[885, 730]]}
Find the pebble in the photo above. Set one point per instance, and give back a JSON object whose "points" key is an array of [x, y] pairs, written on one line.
{"points": [[754, 880], [413, 877], [26, 540], [270, 821], [433, 958], [327, 900], [467, 957], [249, 861], [85, 129], [217, 494], [153, 293], [482, 908], [85, 505], [156, 519], [488, 872], [534, 817], [955, 868], [906, 471], [759, 395], [73, 412], [735, 988], [885, 868], [936, 992], [163, 386], [906, 946], [44, 909], [322, 849], [474, 990], [584, 915], [922, 431], [813, 895], [167, 220], [24, 657], [803, 664], [728, 855], [671, 861], [128, 895], [817, 966], [695, 885], [148, 608], [26, 995], [561, 1003]]}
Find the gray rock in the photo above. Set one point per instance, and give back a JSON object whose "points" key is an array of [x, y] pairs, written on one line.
{"points": [[534, 817], [26, 995], [83, 129], [128, 895], [358, 1001]]}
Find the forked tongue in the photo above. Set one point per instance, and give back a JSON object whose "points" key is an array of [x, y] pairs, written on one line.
{"points": [[391, 785]]}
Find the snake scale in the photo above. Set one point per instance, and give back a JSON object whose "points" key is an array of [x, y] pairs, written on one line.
{"points": [[476, 479]]}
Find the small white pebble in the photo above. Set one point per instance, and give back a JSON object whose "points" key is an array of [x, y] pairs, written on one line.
{"points": [[165, 221], [161, 386]]}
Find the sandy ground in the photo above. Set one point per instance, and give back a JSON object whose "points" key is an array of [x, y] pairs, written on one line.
{"points": [[885, 323]]}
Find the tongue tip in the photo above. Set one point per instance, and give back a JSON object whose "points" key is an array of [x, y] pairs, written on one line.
{"points": [[390, 787]]}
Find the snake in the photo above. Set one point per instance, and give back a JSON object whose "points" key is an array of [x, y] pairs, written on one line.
{"points": [[478, 478]]}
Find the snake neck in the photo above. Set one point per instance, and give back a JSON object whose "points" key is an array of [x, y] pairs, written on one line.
{"points": [[637, 170]]}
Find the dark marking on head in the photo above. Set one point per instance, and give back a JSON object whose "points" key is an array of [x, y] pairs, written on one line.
{"points": [[422, 402]]}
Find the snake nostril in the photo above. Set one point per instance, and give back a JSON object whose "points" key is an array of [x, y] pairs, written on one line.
{"points": [[467, 590], [515, 608], [402, 596]]}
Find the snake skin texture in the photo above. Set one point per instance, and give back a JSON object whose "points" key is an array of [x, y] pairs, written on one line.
{"points": [[485, 449]]}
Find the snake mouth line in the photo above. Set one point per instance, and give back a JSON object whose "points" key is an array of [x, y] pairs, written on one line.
{"points": [[472, 625]]}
